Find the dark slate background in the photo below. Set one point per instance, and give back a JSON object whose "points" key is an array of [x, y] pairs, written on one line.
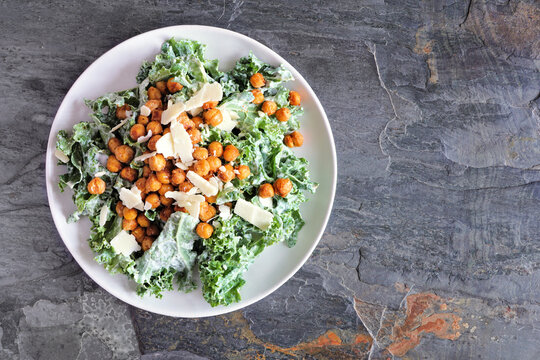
{"points": [[432, 250]]}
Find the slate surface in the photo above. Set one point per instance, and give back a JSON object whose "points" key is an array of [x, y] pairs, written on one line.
{"points": [[432, 250]]}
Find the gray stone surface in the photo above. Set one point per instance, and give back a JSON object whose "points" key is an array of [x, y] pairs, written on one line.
{"points": [[432, 250]]}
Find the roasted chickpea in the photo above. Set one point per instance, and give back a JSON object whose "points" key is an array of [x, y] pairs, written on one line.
{"points": [[288, 141], [185, 186], [166, 131], [143, 120], [214, 163], [294, 98], [258, 96], [207, 211], [165, 201], [122, 111], [226, 173], [137, 131], [242, 172], [154, 93], [156, 115], [201, 167], [129, 225], [146, 243], [129, 174], [152, 184], [213, 117], [230, 153], [162, 87], [152, 142], [195, 135], [215, 149], [197, 121], [113, 165], [153, 199], [157, 162], [178, 176], [130, 214], [152, 230], [141, 184], [257, 80], [269, 107], [210, 199], [165, 188], [165, 213], [139, 234], [266, 190], [204, 230], [209, 105], [146, 171], [124, 154], [113, 143], [154, 104], [174, 86], [188, 124], [164, 176], [297, 138], [170, 165], [96, 186], [119, 209], [200, 153], [179, 208], [282, 187], [283, 114], [143, 221], [155, 127]]}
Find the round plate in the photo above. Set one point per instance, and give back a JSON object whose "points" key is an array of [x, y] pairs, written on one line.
{"points": [[116, 70]]}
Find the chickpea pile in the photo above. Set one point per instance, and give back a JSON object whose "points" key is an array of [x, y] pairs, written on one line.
{"points": [[160, 175]]}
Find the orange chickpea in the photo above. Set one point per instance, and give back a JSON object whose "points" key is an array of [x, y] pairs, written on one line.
{"points": [[209, 105], [197, 121], [164, 176], [178, 176], [143, 120], [157, 162], [129, 225], [207, 211], [179, 208], [201, 167], [162, 87], [266, 190], [154, 93], [195, 135], [257, 80], [165, 213], [122, 111], [173, 86], [137, 131], [119, 209], [153, 199], [146, 171], [213, 117], [152, 142], [230, 153], [154, 104], [129, 174], [143, 221], [130, 214], [204, 230], [269, 107], [113, 143], [141, 184], [152, 230], [113, 165], [282, 187], [165, 201], [152, 184], [242, 172], [96, 186], [259, 96], [215, 149], [200, 153], [156, 115], [155, 127], [214, 163], [226, 174], [185, 186], [124, 153], [288, 141], [297, 138], [139, 233], [165, 188], [283, 114], [166, 131], [146, 243], [294, 98], [210, 199]]}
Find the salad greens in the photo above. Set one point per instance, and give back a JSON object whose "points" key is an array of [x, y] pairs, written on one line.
{"points": [[178, 252]]}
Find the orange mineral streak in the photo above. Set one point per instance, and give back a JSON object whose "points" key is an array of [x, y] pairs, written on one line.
{"points": [[421, 319]]}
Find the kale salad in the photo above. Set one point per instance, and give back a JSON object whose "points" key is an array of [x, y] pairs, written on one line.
{"points": [[190, 172]]}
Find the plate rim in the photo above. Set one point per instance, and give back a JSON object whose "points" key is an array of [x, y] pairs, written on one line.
{"points": [[51, 145]]}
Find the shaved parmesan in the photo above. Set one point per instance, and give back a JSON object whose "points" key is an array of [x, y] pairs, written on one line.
{"points": [[224, 212], [253, 214], [61, 156], [147, 206], [208, 92], [124, 243], [103, 214], [99, 174], [181, 166], [192, 203], [206, 187], [172, 112], [131, 198], [165, 145], [145, 156], [145, 138], [266, 202], [120, 124], [216, 182], [145, 110], [228, 123], [222, 168], [182, 145], [194, 190]]}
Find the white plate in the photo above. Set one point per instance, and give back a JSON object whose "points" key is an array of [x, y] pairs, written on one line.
{"points": [[116, 70]]}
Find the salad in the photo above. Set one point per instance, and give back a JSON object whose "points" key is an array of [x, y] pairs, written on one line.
{"points": [[191, 172]]}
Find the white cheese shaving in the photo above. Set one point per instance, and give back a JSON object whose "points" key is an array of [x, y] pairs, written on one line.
{"points": [[194, 190], [70, 184], [224, 212], [208, 92], [228, 185], [192, 203], [145, 156], [172, 112], [124, 243], [120, 124], [61, 156], [182, 145], [206, 187], [131, 198], [236, 172], [165, 145], [216, 182], [103, 215], [253, 214], [99, 174], [261, 114], [228, 123], [266, 202], [181, 166], [222, 168], [147, 206], [234, 115], [145, 110], [145, 138]]}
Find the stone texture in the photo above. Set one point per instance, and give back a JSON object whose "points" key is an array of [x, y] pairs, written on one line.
{"points": [[432, 249]]}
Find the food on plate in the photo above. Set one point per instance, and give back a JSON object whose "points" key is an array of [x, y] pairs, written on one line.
{"points": [[192, 169]]}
